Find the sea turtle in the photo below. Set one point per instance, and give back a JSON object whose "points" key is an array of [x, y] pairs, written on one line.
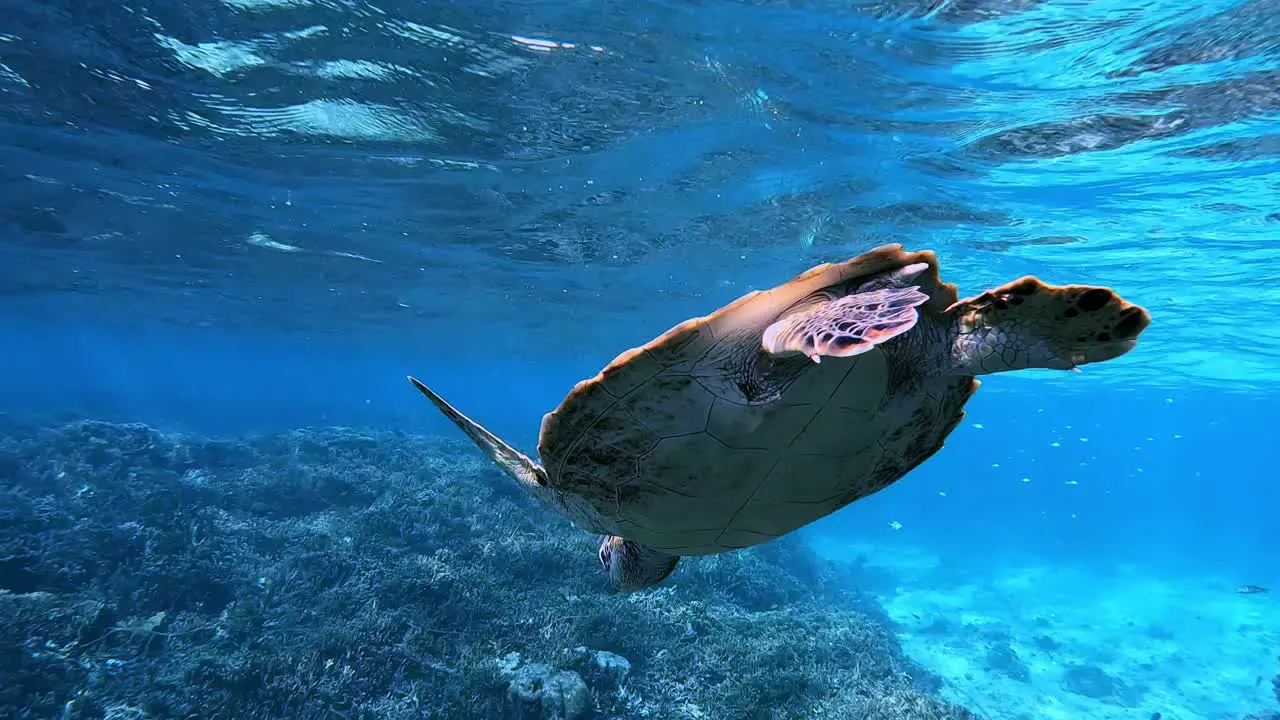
{"points": [[785, 405]]}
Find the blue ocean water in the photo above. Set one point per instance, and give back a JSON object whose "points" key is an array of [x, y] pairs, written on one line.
{"points": [[247, 216]]}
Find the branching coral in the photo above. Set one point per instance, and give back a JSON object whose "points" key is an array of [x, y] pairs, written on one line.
{"points": [[341, 574]]}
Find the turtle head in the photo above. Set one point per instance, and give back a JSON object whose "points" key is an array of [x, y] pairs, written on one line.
{"points": [[1028, 324], [632, 566]]}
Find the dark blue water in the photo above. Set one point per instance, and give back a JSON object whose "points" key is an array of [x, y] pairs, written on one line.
{"points": [[253, 215]]}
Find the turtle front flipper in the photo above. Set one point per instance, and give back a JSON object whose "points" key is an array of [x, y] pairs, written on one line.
{"points": [[1028, 324], [845, 326]]}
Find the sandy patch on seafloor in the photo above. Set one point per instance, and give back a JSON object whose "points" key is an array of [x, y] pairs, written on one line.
{"points": [[1188, 648]]}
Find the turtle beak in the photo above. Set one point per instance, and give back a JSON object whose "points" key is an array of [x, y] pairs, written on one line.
{"points": [[605, 553], [631, 567]]}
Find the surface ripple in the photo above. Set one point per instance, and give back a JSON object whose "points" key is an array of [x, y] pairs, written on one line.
{"points": [[586, 175]]}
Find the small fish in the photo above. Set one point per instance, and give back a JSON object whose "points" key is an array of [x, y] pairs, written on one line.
{"points": [[1252, 590]]}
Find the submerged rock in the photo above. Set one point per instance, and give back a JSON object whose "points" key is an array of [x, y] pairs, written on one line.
{"points": [[615, 666], [1092, 681], [1047, 643], [540, 692], [605, 667], [1003, 659], [537, 691]]}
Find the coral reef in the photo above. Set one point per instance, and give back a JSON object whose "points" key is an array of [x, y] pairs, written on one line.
{"points": [[1047, 643], [1092, 681], [341, 574], [1003, 659], [1267, 715], [1275, 689]]}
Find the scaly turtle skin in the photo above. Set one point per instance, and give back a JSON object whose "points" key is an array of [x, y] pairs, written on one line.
{"points": [[784, 406]]}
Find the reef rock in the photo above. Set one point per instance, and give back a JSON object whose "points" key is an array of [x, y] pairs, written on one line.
{"points": [[538, 691], [1003, 659], [602, 666], [1092, 681]]}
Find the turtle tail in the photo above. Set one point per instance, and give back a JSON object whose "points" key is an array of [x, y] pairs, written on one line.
{"points": [[1028, 324]]}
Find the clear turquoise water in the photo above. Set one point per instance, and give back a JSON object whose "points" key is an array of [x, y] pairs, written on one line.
{"points": [[417, 171], [262, 213]]}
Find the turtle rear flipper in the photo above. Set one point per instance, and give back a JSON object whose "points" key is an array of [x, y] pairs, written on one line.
{"points": [[515, 463], [1028, 324]]}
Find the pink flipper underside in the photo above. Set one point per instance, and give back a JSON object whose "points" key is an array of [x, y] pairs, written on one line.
{"points": [[848, 326]]}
